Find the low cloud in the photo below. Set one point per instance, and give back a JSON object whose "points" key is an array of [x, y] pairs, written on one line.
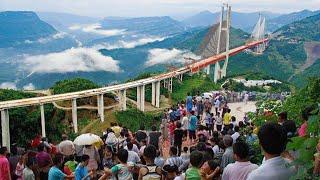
{"points": [[8, 85], [71, 60], [45, 40], [97, 29], [165, 56], [29, 87], [129, 44]]}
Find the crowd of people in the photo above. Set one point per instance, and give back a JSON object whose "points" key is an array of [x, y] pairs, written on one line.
{"points": [[198, 139]]}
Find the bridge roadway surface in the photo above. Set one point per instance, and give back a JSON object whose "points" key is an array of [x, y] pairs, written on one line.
{"points": [[194, 67]]}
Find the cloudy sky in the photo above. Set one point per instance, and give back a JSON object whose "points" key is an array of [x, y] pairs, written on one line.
{"points": [[131, 8]]}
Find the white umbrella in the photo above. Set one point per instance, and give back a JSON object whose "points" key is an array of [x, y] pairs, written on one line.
{"points": [[87, 139]]}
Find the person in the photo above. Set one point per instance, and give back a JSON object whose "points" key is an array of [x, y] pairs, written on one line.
{"points": [[251, 138], [116, 129], [246, 98], [159, 160], [236, 134], [107, 160], [214, 144], [19, 169], [150, 171], [27, 173], [171, 127], [302, 131], [143, 145], [121, 170], [217, 105], [66, 147], [210, 170], [92, 152], [208, 121], [178, 137], [170, 172], [154, 136], [196, 160], [82, 172], [185, 156], [227, 156], [174, 159], [189, 103], [242, 167], [234, 121], [71, 163], [218, 122], [13, 160], [227, 118], [133, 157], [55, 173], [141, 134], [273, 140], [288, 125], [44, 161], [192, 127], [184, 123], [134, 146], [4, 164]]}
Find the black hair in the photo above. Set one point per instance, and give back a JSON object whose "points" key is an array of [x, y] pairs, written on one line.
{"points": [[185, 149], [213, 164], [272, 138], [178, 124], [229, 110], [150, 152], [129, 146], [241, 149], [29, 163], [233, 118], [174, 150], [3, 150], [57, 159], [153, 128], [123, 155], [227, 140], [170, 168], [283, 115], [196, 158], [144, 141], [41, 147], [236, 128], [84, 158]]}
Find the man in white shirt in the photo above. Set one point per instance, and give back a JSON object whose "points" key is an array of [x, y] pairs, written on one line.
{"points": [[132, 156], [273, 140], [236, 134], [242, 167], [66, 147]]}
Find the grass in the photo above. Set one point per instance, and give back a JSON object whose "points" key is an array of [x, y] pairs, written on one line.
{"points": [[192, 84], [133, 118]]}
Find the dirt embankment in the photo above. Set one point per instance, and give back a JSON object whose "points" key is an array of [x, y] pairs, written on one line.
{"points": [[313, 53]]}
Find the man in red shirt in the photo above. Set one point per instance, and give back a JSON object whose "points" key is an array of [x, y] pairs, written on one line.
{"points": [[4, 164]]}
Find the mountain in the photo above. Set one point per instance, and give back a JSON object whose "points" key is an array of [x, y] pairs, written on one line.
{"points": [[278, 22], [240, 20], [62, 21], [19, 26], [156, 26], [292, 55]]}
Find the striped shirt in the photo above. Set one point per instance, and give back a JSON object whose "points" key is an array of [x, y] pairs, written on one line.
{"points": [[174, 160]]}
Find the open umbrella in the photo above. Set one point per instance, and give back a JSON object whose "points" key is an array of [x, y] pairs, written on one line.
{"points": [[87, 139]]}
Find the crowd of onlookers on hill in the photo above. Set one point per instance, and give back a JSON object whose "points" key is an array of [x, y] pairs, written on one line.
{"points": [[198, 139]]}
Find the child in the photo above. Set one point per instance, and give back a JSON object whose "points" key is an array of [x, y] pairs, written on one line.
{"points": [[172, 127], [143, 144], [185, 156], [196, 159], [219, 122], [71, 163], [209, 170], [150, 171], [82, 171], [19, 169], [108, 157], [121, 170]]}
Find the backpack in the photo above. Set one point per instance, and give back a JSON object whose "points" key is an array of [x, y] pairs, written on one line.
{"points": [[152, 173]]}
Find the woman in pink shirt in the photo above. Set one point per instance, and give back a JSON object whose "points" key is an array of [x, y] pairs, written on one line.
{"points": [[302, 131], [4, 164]]}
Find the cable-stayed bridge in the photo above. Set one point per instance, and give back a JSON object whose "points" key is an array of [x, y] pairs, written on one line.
{"points": [[216, 49]]}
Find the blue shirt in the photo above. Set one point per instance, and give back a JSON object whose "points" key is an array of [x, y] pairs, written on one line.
{"points": [[56, 174], [193, 123], [81, 172]]}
